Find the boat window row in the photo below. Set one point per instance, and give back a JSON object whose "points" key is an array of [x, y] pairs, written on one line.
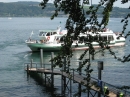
{"points": [[90, 38], [42, 33], [97, 38], [46, 33], [50, 33]]}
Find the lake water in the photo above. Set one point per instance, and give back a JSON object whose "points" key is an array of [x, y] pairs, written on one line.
{"points": [[14, 53]]}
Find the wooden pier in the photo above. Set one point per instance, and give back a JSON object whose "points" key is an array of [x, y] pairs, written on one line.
{"points": [[97, 88], [79, 79]]}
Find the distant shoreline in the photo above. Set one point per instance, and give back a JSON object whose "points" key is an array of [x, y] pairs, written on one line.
{"points": [[32, 9]]}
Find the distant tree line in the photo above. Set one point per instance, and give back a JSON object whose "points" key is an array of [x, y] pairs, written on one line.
{"points": [[32, 9]]}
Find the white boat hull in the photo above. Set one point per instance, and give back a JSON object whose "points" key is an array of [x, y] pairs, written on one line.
{"points": [[57, 46], [52, 40]]}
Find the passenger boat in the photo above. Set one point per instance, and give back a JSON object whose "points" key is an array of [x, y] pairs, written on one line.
{"points": [[50, 40]]}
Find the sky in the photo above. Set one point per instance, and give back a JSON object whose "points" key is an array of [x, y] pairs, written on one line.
{"points": [[117, 4]]}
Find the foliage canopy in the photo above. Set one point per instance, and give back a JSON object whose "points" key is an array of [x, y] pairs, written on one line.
{"points": [[76, 23], [80, 17]]}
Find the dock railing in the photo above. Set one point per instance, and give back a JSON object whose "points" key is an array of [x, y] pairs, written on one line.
{"points": [[96, 82], [76, 76]]}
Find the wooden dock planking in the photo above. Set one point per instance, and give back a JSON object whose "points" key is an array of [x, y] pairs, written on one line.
{"points": [[94, 84], [77, 78]]}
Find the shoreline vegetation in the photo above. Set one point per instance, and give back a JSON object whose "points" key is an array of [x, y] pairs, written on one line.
{"points": [[32, 9]]}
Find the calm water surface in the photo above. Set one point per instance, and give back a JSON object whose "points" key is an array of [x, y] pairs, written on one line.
{"points": [[14, 53]]}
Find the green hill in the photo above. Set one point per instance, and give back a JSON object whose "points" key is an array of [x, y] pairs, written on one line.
{"points": [[32, 9]]}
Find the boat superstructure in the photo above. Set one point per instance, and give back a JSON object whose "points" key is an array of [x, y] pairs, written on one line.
{"points": [[51, 40]]}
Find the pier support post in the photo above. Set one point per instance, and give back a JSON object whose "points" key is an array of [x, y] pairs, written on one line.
{"points": [[70, 88], [52, 76], [27, 69], [64, 77], [79, 87], [45, 79], [41, 53], [63, 83], [27, 72], [100, 68], [31, 63]]}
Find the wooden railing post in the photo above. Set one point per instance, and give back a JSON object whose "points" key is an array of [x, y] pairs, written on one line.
{"points": [[31, 63], [27, 69], [52, 76], [41, 53], [100, 68], [79, 86], [63, 83]]}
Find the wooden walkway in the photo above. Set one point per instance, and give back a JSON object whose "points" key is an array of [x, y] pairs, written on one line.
{"points": [[100, 87], [76, 78]]}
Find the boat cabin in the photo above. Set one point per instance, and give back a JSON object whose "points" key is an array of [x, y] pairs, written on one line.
{"points": [[100, 36], [44, 34]]}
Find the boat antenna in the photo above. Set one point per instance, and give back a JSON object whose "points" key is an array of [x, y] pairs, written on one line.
{"points": [[59, 26], [31, 35]]}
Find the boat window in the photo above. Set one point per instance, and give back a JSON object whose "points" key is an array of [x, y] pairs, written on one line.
{"points": [[81, 39], [42, 33], [86, 38], [100, 38], [54, 33], [110, 38], [48, 34], [104, 38], [51, 33], [95, 38], [61, 39]]}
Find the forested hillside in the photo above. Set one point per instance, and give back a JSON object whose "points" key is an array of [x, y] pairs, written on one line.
{"points": [[32, 9], [25, 9]]}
